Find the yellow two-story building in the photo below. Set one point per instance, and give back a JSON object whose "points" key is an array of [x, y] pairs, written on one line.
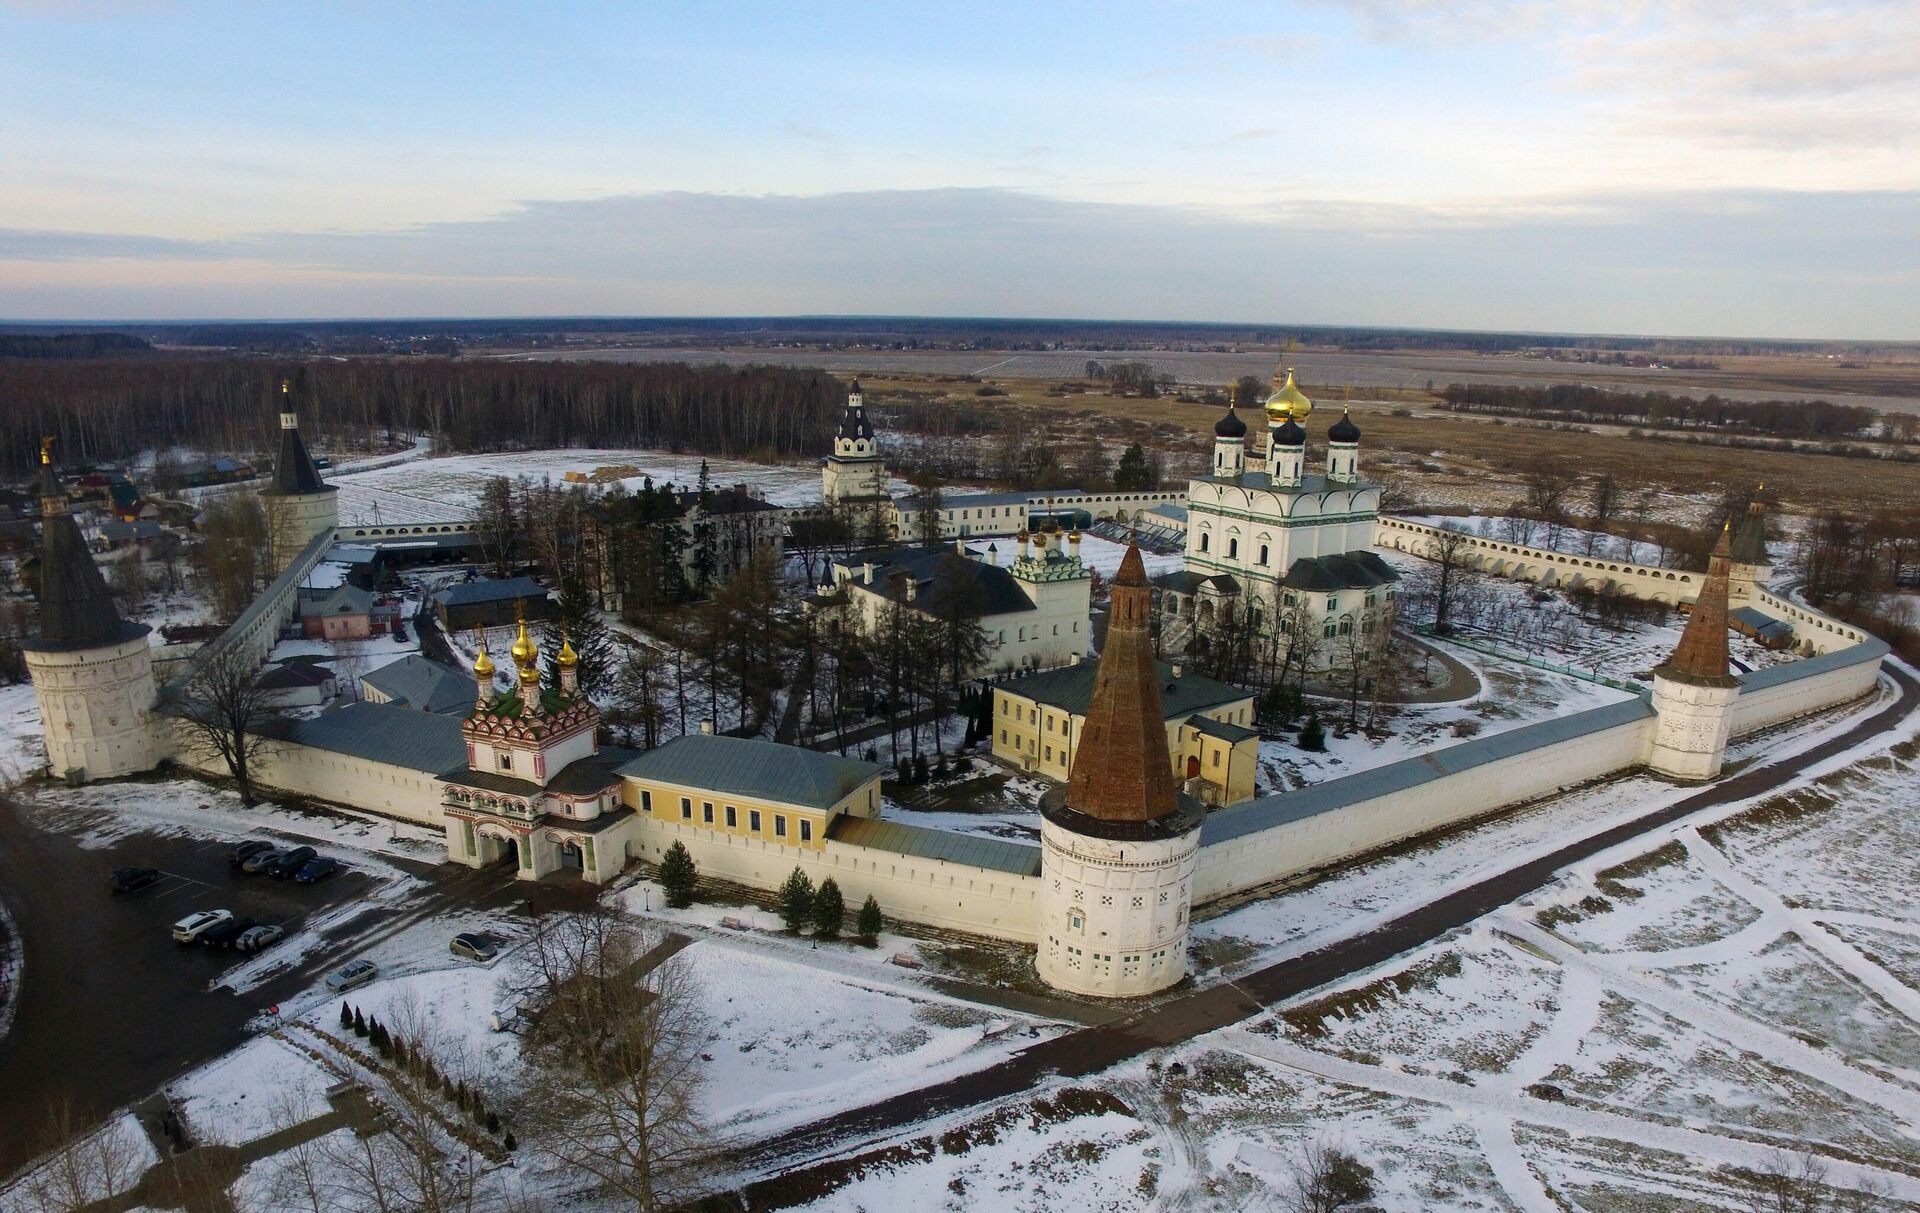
{"points": [[749, 788], [1211, 742]]}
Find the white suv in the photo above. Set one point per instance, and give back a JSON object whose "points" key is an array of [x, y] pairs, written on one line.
{"points": [[193, 926]]}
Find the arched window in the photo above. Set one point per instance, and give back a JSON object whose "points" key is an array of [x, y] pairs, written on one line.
{"points": [[1205, 540], [1263, 553], [1233, 549]]}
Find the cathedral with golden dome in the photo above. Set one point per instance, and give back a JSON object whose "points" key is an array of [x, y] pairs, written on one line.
{"points": [[537, 783], [1274, 545]]}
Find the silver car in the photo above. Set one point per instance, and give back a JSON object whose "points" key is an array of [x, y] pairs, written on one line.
{"points": [[470, 946], [353, 973], [254, 938]]}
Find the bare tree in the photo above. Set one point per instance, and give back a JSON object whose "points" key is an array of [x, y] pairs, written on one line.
{"points": [[500, 523], [1799, 1183], [1326, 1180], [84, 1165], [1452, 568], [221, 711], [614, 1056]]}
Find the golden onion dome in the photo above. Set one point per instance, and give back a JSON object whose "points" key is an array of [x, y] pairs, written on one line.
{"points": [[524, 652], [483, 663], [567, 657], [529, 678], [1288, 401]]}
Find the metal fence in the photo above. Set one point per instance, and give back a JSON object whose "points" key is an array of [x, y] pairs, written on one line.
{"points": [[1502, 651]]}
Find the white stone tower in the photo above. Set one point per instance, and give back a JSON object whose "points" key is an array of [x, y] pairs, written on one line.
{"points": [[1748, 567], [855, 472], [1119, 851], [92, 670], [298, 503], [1693, 692], [1229, 443]]}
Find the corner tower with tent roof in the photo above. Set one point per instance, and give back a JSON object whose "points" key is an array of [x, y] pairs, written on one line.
{"points": [[1694, 690], [1120, 846], [299, 504], [92, 670], [854, 474], [1270, 540]]}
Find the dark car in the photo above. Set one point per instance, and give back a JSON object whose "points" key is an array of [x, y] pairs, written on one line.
{"points": [[260, 860], [317, 868], [289, 862], [239, 854], [223, 935], [126, 880]]}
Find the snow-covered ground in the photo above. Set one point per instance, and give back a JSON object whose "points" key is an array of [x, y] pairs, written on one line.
{"points": [[1103, 557], [448, 489], [23, 747], [1651, 1032]]}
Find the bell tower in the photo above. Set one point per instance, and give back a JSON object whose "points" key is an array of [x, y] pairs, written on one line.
{"points": [[855, 472]]}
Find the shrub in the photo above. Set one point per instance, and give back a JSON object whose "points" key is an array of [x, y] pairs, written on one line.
{"points": [[829, 909], [677, 875], [1313, 735], [359, 1023], [346, 1017], [870, 921], [796, 900]]}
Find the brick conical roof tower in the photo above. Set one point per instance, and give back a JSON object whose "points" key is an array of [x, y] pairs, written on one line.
{"points": [[1701, 656], [1121, 771]]}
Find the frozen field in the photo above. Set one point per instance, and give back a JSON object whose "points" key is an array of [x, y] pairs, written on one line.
{"points": [[448, 489], [1653, 1032]]}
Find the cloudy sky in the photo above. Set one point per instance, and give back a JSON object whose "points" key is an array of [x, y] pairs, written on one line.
{"points": [[1590, 165]]}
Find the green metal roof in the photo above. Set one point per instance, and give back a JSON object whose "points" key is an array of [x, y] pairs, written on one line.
{"points": [[1015, 858], [1070, 688], [746, 766]]}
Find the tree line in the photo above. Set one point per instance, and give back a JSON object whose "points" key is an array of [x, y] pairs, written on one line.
{"points": [[108, 411], [1664, 410]]}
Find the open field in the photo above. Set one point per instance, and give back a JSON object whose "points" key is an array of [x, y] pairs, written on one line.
{"points": [[1891, 386]]}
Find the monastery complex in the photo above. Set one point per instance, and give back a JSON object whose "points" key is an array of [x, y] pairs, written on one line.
{"points": [[1156, 810]]}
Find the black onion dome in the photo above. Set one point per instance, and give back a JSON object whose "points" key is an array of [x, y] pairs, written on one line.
{"points": [[1344, 430], [1289, 433], [1230, 425]]}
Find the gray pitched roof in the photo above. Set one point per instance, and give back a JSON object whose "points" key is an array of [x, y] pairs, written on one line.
{"points": [[1070, 688], [489, 589], [342, 599], [746, 766], [1359, 570], [1266, 812], [941, 575], [418, 682], [381, 732], [294, 675], [1232, 734], [971, 849]]}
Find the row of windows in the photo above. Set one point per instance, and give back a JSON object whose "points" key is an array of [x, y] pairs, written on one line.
{"points": [[731, 816]]}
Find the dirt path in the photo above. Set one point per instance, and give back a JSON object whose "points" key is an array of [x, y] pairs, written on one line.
{"points": [[790, 1156]]}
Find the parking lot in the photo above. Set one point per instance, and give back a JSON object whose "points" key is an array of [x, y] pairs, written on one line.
{"points": [[110, 1006]]}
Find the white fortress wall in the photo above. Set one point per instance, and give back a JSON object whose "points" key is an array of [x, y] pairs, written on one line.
{"points": [[360, 783], [933, 892], [1274, 837], [1782, 692], [1541, 565], [1823, 633]]}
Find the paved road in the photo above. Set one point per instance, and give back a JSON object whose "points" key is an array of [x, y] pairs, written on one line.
{"points": [[1170, 1022]]}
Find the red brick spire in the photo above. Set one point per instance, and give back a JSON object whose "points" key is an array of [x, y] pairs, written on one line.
{"points": [[1701, 657], [1121, 771]]}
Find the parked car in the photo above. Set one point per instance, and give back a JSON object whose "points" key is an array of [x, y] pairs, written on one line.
{"points": [[470, 946], [318, 868], [289, 862], [126, 880], [252, 846], [222, 935], [260, 860], [353, 973], [193, 926], [256, 938]]}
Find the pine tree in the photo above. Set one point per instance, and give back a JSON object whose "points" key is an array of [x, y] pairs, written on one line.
{"points": [[706, 554], [1134, 474], [509, 1142], [576, 616], [1313, 735], [493, 1122], [870, 922], [359, 1023], [677, 875], [346, 1017], [829, 910], [796, 900]]}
